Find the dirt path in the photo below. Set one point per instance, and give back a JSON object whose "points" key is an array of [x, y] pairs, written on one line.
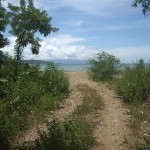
{"points": [[112, 130]]}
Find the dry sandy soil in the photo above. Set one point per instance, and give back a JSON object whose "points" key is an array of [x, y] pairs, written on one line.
{"points": [[111, 133]]}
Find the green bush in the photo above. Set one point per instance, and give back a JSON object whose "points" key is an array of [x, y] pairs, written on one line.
{"points": [[135, 83], [67, 135], [55, 80], [27, 94], [103, 66]]}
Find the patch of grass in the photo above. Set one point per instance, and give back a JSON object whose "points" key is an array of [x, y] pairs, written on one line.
{"points": [[145, 144], [92, 102], [140, 114], [134, 85], [87, 111], [140, 124]]}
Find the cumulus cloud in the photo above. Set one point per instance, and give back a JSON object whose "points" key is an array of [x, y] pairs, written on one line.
{"points": [[59, 47], [69, 47]]}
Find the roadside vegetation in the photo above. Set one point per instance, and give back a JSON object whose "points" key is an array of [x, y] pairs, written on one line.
{"points": [[133, 85], [29, 95]]}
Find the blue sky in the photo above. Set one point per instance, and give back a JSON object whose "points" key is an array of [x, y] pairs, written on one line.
{"points": [[91, 26]]}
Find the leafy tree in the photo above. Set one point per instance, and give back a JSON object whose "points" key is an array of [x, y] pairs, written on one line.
{"points": [[145, 5], [26, 21], [103, 66], [3, 23]]}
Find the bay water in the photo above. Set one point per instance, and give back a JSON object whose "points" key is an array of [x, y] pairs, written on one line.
{"points": [[70, 67]]}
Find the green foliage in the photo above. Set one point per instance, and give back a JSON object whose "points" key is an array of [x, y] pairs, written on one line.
{"points": [[145, 145], [103, 66], [25, 21], [6, 72], [135, 83], [55, 80], [28, 95], [145, 4], [91, 101], [67, 135]]}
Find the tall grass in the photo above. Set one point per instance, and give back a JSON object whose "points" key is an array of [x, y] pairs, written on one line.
{"points": [[135, 83], [134, 86], [92, 102]]}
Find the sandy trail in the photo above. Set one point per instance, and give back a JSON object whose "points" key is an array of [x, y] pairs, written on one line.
{"points": [[113, 128]]}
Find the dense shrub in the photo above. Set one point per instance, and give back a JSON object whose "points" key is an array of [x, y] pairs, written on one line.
{"points": [[67, 135], [135, 83], [28, 93], [55, 81], [103, 66]]}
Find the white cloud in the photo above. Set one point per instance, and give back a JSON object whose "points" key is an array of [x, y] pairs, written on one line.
{"points": [[62, 46], [9, 48], [67, 47], [67, 39]]}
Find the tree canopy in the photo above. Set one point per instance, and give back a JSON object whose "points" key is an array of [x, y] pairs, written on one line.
{"points": [[145, 5], [25, 21]]}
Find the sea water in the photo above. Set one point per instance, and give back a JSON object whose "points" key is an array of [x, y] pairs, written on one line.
{"points": [[83, 67], [70, 67]]}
